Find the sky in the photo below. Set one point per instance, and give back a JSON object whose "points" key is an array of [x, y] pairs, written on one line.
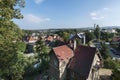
{"points": [[53, 14]]}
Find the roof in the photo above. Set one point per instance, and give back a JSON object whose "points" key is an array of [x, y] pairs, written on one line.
{"points": [[82, 61], [78, 35], [63, 52], [32, 38], [116, 39], [50, 38]]}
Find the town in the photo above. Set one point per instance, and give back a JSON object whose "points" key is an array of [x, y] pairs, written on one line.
{"points": [[73, 54], [59, 40]]}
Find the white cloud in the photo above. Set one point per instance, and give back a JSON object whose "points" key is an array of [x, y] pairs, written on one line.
{"points": [[93, 14], [99, 14], [96, 15], [106, 9], [38, 1], [97, 18], [30, 18]]}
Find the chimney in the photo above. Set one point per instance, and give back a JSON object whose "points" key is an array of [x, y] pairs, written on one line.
{"points": [[75, 44], [84, 39]]}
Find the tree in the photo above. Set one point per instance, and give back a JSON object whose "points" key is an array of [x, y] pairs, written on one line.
{"points": [[65, 34], [105, 51], [9, 9], [11, 62], [89, 36], [11, 58], [42, 53], [97, 32], [116, 74], [21, 46], [118, 31], [109, 63], [105, 36]]}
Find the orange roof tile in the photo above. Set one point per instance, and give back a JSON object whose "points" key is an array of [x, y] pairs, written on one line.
{"points": [[50, 38], [63, 52]]}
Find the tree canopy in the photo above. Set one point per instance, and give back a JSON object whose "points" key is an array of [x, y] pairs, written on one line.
{"points": [[11, 56], [89, 36], [9, 9], [97, 32]]}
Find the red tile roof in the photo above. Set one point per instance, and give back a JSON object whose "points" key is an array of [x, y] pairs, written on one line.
{"points": [[32, 38], [82, 61], [116, 39], [63, 52], [50, 38]]}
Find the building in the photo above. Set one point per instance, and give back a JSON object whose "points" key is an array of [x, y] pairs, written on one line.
{"points": [[59, 59], [109, 30], [116, 40], [32, 39], [85, 64], [76, 39], [81, 64]]}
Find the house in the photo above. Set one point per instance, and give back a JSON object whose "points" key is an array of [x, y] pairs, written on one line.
{"points": [[50, 38], [116, 40], [32, 39], [91, 30], [109, 30], [59, 59], [78, 38], [85, 64]]}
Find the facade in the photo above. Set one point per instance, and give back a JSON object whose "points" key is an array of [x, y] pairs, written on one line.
{"points": [[59, 59], [85, 64]]}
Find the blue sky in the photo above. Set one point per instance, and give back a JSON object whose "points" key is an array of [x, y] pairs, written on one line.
{"points": [[47, 14]]}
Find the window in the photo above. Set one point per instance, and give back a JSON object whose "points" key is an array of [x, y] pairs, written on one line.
{"points": [[55, 62]]}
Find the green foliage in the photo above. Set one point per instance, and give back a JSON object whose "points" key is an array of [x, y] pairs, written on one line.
{"points": [[9, 9], [115, 66], [118, 31], [21, 46], [109, 63], [89, 36], [116, 74], [105, 51], [29, 67], [97, 32], [111, 35], [42, 53], [66, 36], [105, 36], [56, 43], [9, 33], [12, 60]]}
